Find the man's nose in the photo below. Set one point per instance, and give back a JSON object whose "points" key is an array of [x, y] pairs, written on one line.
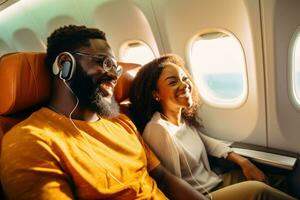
{"points": [[113, 74]]}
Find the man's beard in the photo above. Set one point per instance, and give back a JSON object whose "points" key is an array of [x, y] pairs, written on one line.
{"points": [[90, 96]]}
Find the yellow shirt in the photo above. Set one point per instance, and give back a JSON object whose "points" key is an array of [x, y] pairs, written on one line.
{"points": [[47, 157]]}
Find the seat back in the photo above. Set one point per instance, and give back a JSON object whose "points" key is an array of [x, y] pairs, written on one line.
{"points": [[25, 87], [24, 83]]}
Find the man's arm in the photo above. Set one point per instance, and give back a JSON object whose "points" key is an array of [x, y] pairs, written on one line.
{"points": [[174, 187], [29, 170]]}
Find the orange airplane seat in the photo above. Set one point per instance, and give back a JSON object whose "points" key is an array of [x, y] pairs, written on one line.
{"points": [[25, 87], [24, 83]]}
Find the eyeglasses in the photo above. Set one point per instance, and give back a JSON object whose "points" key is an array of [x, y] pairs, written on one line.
{"points": [[105, 62]]}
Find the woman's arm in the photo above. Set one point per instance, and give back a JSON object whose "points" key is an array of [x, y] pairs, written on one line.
{"points": [[161, 143], [219, 149], [250, 171], [174, 187], [215, 147]]}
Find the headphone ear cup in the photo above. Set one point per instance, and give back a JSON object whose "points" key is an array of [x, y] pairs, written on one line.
{"points": [[66, 70], [68, 67]]}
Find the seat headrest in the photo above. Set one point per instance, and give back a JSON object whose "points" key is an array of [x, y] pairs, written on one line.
{"points": [[124, 83], [25, 81]]}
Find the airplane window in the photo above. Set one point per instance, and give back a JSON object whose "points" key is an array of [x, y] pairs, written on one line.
{"points": [[219, 69], [136, 52], [296, 68]]}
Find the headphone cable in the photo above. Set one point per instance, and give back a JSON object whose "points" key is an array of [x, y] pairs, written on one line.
{"points": [[84, 138]]}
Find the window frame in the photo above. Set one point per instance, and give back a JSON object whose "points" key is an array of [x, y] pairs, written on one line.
{"points": [[211, 99], [295, 100]]}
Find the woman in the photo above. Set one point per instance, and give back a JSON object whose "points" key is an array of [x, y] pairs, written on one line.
{"points": [[164, 105]]}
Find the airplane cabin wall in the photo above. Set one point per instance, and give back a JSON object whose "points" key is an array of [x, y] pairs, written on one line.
{"points": [[26, 24], [281, 20]]}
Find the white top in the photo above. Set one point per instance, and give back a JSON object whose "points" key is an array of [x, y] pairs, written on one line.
{"points": [[183, 151]]}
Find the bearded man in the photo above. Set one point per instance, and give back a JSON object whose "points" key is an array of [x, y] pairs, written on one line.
{"points": [[79, 146]]}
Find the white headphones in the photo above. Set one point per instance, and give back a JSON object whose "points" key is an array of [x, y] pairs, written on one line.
{"points": [[67, 70]]}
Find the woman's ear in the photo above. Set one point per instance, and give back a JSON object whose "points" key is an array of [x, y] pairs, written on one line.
{"points": [[155, 95]]}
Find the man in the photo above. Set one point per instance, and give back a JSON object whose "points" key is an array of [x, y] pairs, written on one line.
{"points": [[80, 147]]}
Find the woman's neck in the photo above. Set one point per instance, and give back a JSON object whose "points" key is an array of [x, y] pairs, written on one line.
{"points": [[173, 116]]}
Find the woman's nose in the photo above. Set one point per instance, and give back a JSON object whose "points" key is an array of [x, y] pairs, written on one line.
{"points": [[183, 85]]}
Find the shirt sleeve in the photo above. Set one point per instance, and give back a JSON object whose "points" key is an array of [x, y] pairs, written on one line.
{"points": [[215, 147], [152, 160], [160, 141], [30, 170]]}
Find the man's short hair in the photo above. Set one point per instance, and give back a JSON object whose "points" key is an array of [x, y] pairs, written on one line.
{"points": [[69, 38]]}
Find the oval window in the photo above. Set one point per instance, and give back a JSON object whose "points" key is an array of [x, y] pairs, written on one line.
{"points": [[218, 66], [136, 52], [296, 68]]}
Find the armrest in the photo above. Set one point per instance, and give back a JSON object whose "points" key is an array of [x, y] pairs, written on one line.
{"points": [[267, 156]]}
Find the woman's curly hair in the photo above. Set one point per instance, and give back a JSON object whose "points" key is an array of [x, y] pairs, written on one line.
{"points": [[143, 105]]}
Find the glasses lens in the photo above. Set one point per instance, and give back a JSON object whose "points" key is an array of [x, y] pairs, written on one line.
{"points": [[107, 64], [119, 70], [110, 64]]}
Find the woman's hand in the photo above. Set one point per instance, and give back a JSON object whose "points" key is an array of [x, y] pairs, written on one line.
{"points": [[250, 171]]}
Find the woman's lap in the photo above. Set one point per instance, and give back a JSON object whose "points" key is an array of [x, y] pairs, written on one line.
{"points": [[235, 186], [249, 190]]}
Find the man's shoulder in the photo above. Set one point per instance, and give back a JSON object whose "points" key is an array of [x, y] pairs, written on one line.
{"points": [[36, 117], [124, 117], [35, 123], [126, 122]]}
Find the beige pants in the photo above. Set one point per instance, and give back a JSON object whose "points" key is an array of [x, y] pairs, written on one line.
{"points": [[235, 187]]}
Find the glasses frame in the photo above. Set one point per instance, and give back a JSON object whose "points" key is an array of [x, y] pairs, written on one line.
{"points": [[105, 59]]}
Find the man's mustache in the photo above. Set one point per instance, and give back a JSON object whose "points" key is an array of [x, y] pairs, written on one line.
{"points": [[104, 79]]}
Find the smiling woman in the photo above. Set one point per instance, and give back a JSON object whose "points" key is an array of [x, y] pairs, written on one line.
{"points": [[173, 132], [144, 91]]}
